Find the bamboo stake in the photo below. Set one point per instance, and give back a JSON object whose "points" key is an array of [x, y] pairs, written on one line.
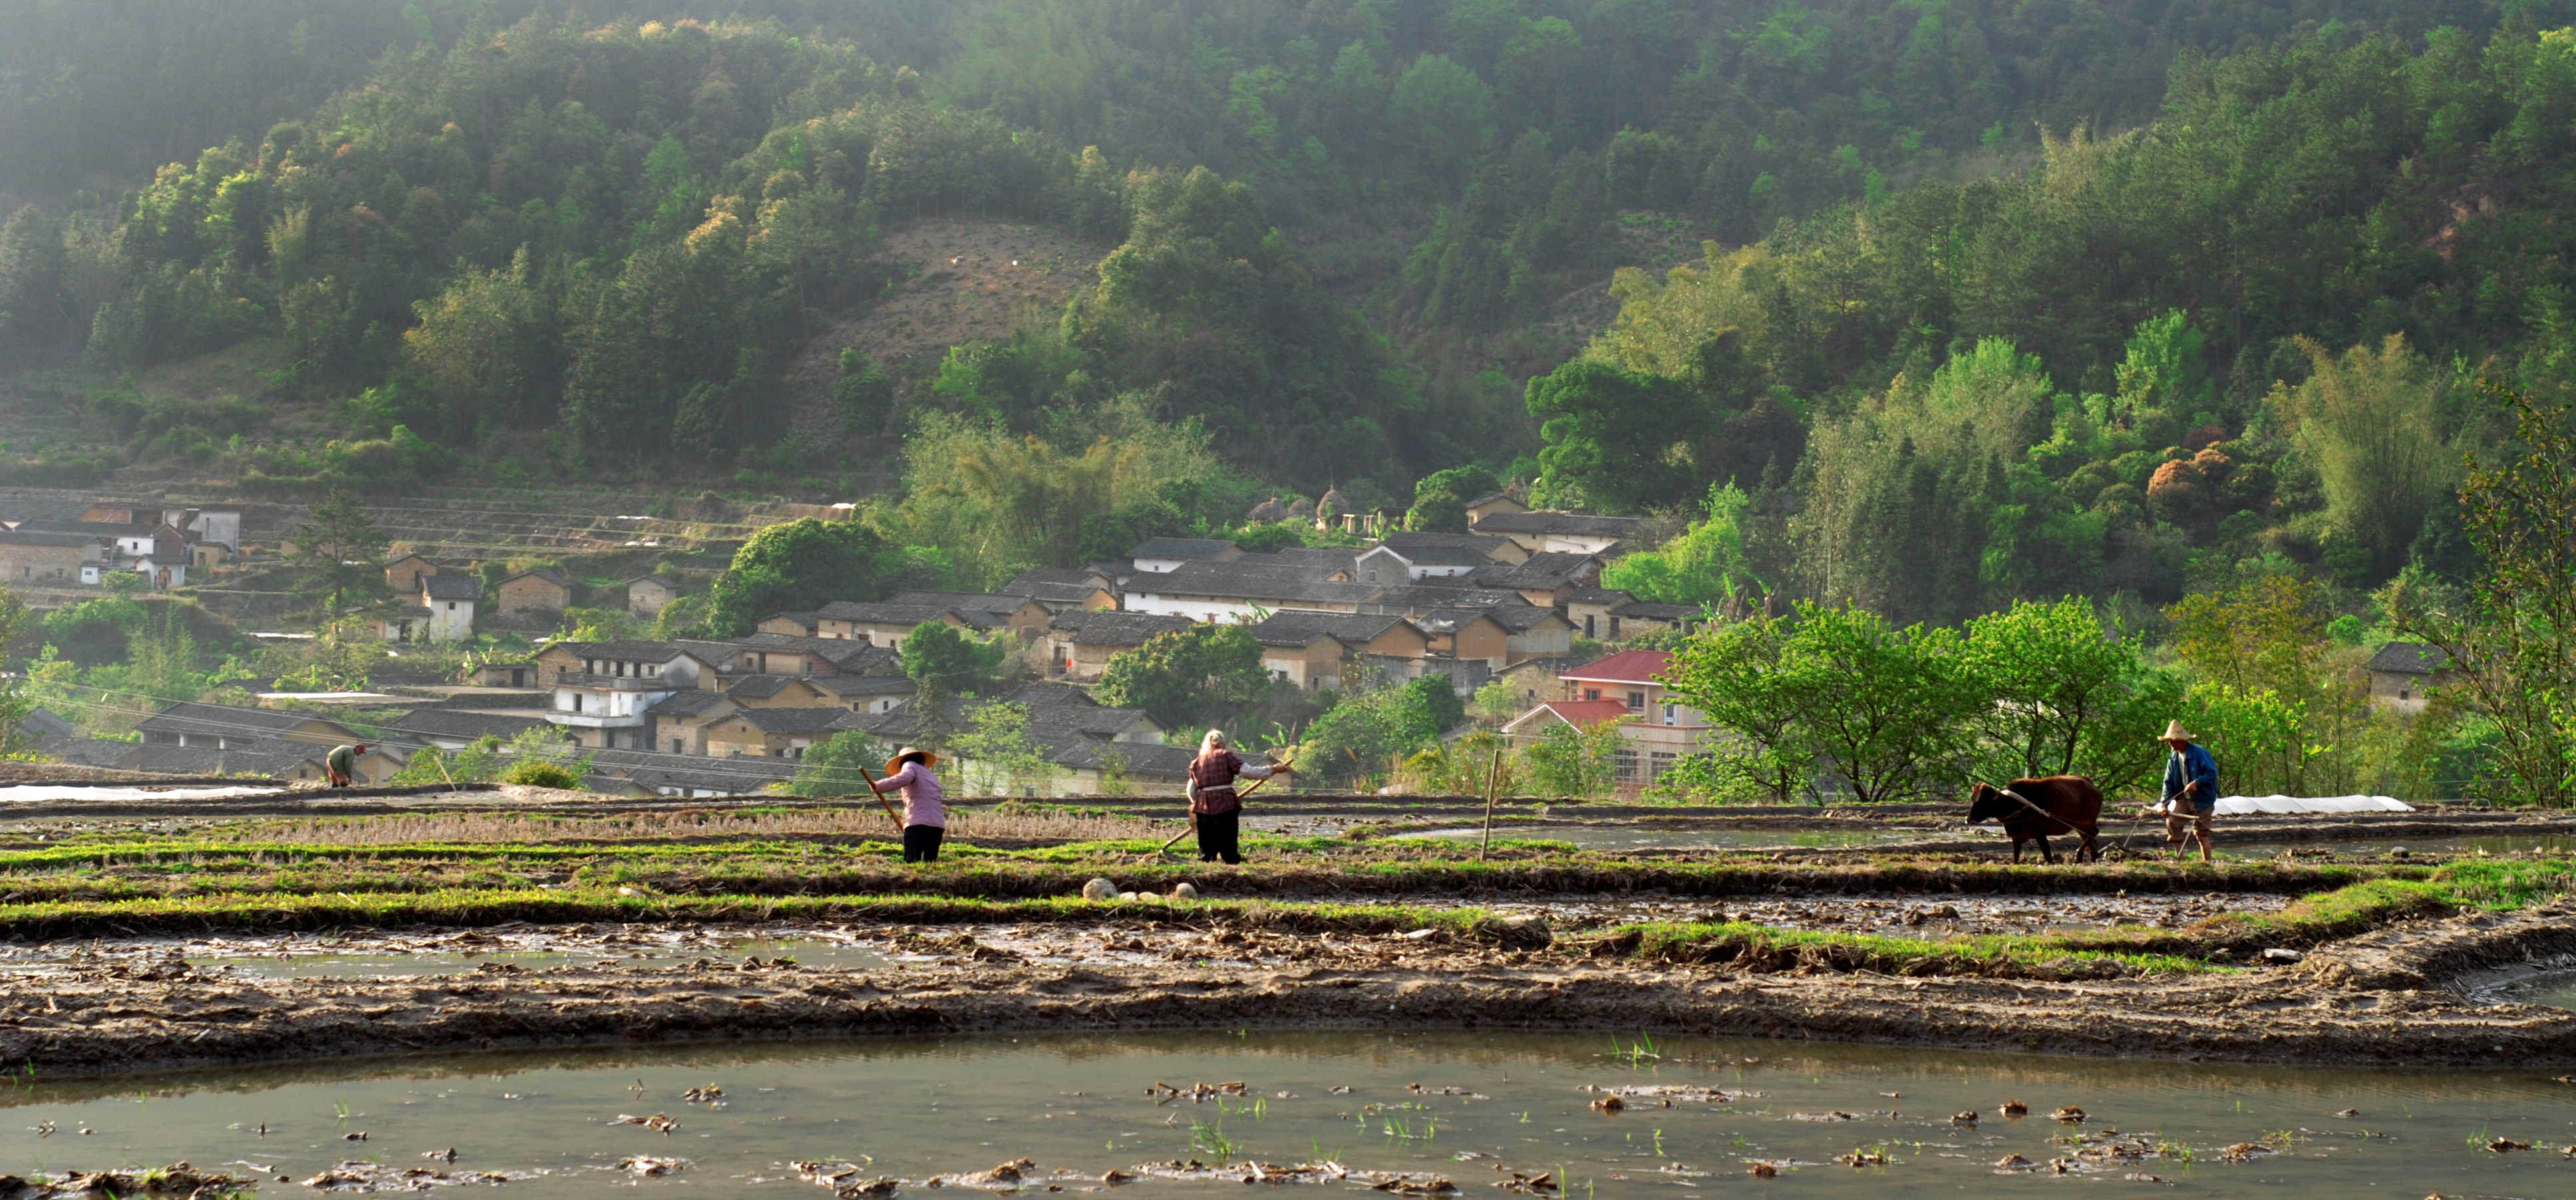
{"points": [[1493, 786]]}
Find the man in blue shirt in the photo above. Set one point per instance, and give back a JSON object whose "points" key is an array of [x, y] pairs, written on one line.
{"points": [[2191, 789]]}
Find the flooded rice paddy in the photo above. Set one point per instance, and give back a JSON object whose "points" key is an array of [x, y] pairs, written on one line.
{"points": [[1420, 1114]]}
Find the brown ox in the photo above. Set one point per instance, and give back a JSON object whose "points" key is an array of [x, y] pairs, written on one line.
{"points": [[2032, 809]]}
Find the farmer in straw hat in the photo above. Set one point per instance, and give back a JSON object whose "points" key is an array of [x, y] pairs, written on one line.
{"points": [[2191, 789], [1215, 808], [925, 819]]}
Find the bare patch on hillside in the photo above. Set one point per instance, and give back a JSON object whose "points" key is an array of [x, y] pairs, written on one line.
{"points": [[965, 281]]}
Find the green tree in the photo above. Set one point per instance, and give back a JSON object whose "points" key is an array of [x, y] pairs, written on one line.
{"points": [[339, 551], [1612, 435], [948, 663], [863, 395], [838, 766], [2370, 421], [997, 755], [1566, 760], [1705, 565], [800, 565], [1886, 708], [1733, 674], [1205, 674], [2512, 643], [15, 704], [2066, 696]]}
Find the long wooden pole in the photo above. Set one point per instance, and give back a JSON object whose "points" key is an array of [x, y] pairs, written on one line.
{"points": [[1493, 786], [882, 802], [1194, 813]]}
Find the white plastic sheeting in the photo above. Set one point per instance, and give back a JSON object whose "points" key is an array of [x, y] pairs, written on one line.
{"points": [[2238, 806], [29, 793]]}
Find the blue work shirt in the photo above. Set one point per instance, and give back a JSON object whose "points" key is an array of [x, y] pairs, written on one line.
{"points": [[2189, 765]]}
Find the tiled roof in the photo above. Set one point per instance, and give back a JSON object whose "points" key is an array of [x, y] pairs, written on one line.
{"points": [[863, 685], [2409, 658], [1227, 581], [758, 687], [662, 580], [1349, 628], [1434, 555], [890, 614], [450, 587], [977, 601], [463, 722], [1174, 547], [687, 703], [1544, 521], [1627, 666], [1110, 627], [225, 720], [545, 573], [792, 720], [1050, 694]]}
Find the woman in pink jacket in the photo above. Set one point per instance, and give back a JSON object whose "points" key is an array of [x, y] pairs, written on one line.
{"points": [[925, 819]]}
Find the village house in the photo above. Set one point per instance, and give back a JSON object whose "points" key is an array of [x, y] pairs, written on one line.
{"points": [[1545, 530], [1364, 634], [864, 693], [1164, 554], [888, 625], [1078, 643], [770, 732], [1638, 616], [456, 728], [1308, 659], [1242, 590], [1547, 580], [648, 595], [448, 604], [403, 575], [1065, 590], [226, 726], [1017, 612], [785, 654], [502, 673], [539, 591], [2402, 673], [602, 691], [677, 723], [776, 691], [30, 556], [1589, 610], [1624, 686], [1491, 503], [1467, 634], [1423, 599]]}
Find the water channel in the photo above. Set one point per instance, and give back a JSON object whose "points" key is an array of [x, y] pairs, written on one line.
{"points": [[1473, 1108]]}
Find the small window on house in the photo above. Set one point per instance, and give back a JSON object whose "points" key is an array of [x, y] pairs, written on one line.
{"points": [[1636, 702], [576, 702], [1627, 766], [1614, 629], [2402, 693], [677, 746], [1591, 693]]}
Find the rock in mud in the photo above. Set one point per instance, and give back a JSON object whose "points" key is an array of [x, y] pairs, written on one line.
{"points": [[1100, 889], [1184, 891], [1523, 931]]}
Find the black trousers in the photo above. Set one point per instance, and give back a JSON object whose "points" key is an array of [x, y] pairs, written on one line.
{"points": [[1220, 836], [921, 843]]}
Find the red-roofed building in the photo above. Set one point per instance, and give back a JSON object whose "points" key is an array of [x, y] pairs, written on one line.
{"points": [[1626, 684]]}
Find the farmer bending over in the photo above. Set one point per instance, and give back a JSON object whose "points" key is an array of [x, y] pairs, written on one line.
{"points": [[1214, 807], [925, 819], [2191, 789], [342, 764]]}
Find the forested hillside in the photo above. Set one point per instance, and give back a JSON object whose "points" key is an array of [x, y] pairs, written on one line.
{"points": [[1999, 299]]}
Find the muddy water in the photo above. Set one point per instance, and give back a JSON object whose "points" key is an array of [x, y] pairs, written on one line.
{"points": [[394, 954], [1486, 1106]]}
